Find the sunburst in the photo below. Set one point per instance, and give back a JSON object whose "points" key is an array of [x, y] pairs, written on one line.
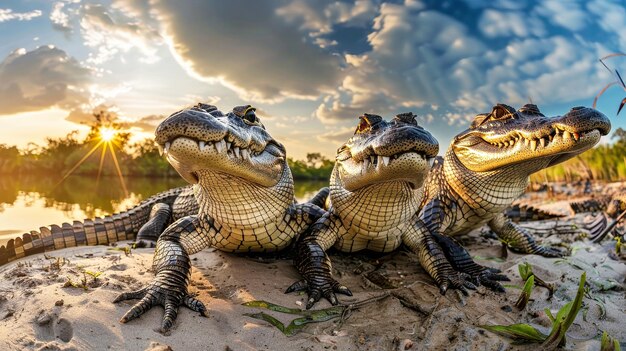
{"points": [[108, 138]]}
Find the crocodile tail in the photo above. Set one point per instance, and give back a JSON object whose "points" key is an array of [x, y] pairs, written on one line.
{"points": [[89, 232], [591, 205], [524, 213]]}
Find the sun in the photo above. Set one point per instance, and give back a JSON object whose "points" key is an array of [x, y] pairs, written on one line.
{"points": [[107, 134]]}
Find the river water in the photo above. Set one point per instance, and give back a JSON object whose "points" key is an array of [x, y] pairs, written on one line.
{"points": [[27, 203]]}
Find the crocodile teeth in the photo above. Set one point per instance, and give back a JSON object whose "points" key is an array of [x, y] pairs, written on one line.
{"points": [[236, 149], [167, 147], [533, 144], [526, 142], [201, 145], [220, 146], [576, 136], [228, 144], [379, 163], [160, 149], [431, 161], [366, 163], [386, 160], [566, 135], [542, 141], [245, 154], [373, 159]]}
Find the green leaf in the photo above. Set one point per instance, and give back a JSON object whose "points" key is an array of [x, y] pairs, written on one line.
{"points": [[518, 332], [565, 317], [549, 314], [607, 343], [522, 301], [525, 270], [276, 308]]}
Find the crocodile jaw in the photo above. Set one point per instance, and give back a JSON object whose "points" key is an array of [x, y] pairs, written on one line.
{"points": [[411, 167], [189, 157]]}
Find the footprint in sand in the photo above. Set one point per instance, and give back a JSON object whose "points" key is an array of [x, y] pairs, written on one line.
{"points": [[64, 330], [47, 328]]}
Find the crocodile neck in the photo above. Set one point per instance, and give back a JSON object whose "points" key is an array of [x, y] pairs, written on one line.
{"points": [[237, 203], [377, 207], [493, 190]]}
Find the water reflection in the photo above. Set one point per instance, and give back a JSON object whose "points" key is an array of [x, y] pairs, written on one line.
{"points": [[27, 203]]}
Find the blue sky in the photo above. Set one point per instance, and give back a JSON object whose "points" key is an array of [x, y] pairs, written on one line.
{"points": [[310, 66]]}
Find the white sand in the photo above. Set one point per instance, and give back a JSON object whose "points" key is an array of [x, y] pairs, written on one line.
{"points": [[88, 320]]}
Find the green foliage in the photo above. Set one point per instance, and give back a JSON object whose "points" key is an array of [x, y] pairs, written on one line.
{"points": [[522, 301], [316, 167], [525, 333], [607, 343]]}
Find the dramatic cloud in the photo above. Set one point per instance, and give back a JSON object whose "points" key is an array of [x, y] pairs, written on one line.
{"points": [[43, 78], [59, 18], [111, 36], [420, 58], [8, 15], [248, 47]]}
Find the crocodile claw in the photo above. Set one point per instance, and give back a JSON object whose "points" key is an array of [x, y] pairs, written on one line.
{"points": [[159, 293], [456, 280], [326, 287]]}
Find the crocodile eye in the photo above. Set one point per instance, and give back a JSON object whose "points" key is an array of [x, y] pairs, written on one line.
{"points": [[250, 116]]}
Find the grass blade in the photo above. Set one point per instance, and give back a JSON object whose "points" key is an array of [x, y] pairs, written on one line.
{"points": [[520, 332], [522, 301]]}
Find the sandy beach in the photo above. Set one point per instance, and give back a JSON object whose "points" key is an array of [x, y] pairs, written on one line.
{"points": [[38, 313]]}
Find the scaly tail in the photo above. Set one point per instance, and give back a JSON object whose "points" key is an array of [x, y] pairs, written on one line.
{"points": [[99, 231], [522, 213]]}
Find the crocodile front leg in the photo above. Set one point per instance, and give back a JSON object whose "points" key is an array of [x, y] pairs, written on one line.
{"points": [[518, 238], [314, 264], [433, 260], [173, 270], [160, 217]]}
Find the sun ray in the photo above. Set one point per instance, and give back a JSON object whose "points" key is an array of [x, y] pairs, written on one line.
{"points": [[119, 171], [79, 162], [102, 155]]}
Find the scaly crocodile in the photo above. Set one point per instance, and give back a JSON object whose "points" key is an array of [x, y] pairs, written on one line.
{"points": [[488, 166], [375, 192], [245, 193], [143, 222]]}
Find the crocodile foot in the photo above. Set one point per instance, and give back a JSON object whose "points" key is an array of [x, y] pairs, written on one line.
{"points": [[317, 287], [162, 292], [461, 261], [546, 251]]}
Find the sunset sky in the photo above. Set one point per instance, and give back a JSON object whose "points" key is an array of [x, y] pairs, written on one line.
{"points": [[309, 66]]}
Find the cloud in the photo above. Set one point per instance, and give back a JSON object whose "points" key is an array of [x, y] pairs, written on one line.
{"points": [[319, 17], [255, 52], [337, 136], [495, 23], [9, 15], [60, 19], [147, 123], [416, 59], [568, 15], [420, 58], [42, 78], [112, 32]]}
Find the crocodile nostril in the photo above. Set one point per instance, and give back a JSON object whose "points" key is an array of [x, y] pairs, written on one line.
{"points": [[576, 108]]}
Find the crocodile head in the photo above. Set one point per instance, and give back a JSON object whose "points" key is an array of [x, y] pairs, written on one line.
{"points": [[527, 139], [381, 151], [202, 138]]}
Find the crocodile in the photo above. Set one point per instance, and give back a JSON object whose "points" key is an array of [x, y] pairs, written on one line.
{"points": [[244, 189], [488, 166], [143, 223], [375, 192]]}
